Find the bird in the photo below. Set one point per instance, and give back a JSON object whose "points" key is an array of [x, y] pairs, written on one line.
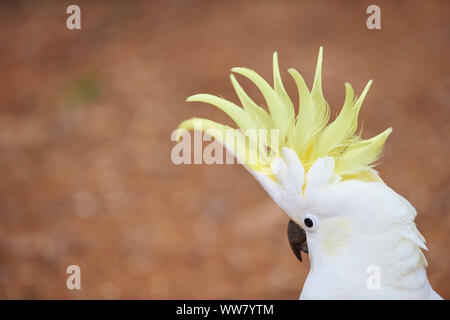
{"points": [[360, 235]]}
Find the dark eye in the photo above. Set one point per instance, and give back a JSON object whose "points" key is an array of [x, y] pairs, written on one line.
{"points": [[310, 222]]}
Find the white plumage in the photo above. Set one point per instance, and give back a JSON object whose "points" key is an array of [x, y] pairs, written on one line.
{"points": [[360, 224], [361, 236]]}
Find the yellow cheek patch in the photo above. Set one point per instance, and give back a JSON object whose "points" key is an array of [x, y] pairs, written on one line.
{"points": [[335, 233]]}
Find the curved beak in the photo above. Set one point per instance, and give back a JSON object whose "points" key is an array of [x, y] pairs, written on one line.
{"points": [[297, 239]]}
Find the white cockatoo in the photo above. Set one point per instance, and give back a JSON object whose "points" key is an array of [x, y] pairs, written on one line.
{"points": [[360, 234]]}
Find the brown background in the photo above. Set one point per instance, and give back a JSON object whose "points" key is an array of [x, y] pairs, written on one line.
{"points": [[85, 124]]}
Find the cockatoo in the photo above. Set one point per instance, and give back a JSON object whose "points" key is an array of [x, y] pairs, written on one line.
{"points": [[359, 233]]}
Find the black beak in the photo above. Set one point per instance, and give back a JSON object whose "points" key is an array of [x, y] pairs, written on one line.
{"points": [[297, 239]]}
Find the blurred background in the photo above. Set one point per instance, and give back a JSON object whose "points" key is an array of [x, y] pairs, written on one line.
{"points": [[86, 118]]}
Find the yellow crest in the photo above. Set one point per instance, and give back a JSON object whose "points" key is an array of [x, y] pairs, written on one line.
{"points": [[308, 133]]}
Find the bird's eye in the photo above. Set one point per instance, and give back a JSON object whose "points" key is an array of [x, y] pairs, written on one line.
{"points": [[310, 222]]}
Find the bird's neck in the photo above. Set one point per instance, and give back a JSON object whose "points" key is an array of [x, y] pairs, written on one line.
{"points": [[369, 267]]}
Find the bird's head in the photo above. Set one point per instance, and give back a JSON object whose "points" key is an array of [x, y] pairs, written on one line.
{"points": [[320, 174]]}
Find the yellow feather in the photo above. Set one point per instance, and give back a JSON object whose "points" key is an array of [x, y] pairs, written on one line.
{"points": [[340, 133], [282, 116], [308, 133], [232, 139], [243, 118], [313, 114], [259, 115], [358, 156], [239, 116], [287, 105]]}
